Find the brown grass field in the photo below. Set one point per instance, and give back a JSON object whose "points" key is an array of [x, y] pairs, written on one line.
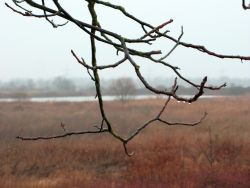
{"points": [[215, 153]]}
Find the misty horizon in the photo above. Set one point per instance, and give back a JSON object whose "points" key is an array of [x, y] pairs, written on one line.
{"points": [[85, 81]]}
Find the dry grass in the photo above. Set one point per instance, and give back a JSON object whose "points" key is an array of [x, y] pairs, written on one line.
{"points": [[164, 156]]}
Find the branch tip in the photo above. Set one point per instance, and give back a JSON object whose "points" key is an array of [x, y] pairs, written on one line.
{"points": [[126, 150]]}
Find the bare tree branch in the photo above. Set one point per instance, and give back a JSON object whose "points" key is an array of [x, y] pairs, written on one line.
{"points": [[175, 46], [51, 21], [62, 135], [185, 124], [150, 35], [82, 25], [82, 62], [157, 28], [188, 45]]}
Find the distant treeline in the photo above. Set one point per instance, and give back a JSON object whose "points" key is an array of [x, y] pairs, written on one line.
{"points": [[61, 86]]}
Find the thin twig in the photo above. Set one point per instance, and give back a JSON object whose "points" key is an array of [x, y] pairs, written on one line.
{"points": [[175, 46], [62, 135], [157, 28], [51, 21]]}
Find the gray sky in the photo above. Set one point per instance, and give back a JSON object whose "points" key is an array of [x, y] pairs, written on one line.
{"points": [[31, 48]]}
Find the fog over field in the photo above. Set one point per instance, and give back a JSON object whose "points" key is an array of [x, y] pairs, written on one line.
{"points": [[119, 87]]}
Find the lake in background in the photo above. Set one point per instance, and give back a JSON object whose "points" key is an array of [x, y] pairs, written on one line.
{"points": [[91, 98]]}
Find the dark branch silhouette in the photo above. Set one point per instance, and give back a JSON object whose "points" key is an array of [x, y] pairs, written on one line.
{"points": [[149, 35], [244, 5]]}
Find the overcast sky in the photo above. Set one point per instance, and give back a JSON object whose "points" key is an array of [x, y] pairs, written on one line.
{"points": [[31, 48]]}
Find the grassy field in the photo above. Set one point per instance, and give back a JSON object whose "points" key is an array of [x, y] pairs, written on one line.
{"points": [[215, 153]]}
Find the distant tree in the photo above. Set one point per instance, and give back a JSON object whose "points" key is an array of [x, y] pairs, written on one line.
{"points": [[123, 88], [63, 84], [129, 48]]}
